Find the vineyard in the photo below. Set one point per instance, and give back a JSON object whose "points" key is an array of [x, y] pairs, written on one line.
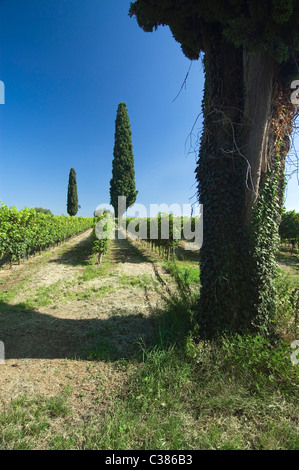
{"points": [[25, 232], [162, 233], [98, 352], [91, 357], [103, 232], [168, 333]]}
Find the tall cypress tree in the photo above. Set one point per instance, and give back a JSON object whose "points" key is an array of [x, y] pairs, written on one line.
{"points": [[123, 173], [72, 195]]}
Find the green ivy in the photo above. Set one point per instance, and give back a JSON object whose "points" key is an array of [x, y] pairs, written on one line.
{"points": [[265, 241]]}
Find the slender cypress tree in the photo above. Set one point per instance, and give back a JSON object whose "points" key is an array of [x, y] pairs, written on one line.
{"points": [[123, 173], [72, 195]]}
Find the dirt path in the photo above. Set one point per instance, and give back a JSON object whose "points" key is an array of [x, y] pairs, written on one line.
{"points": [[67, 324]]}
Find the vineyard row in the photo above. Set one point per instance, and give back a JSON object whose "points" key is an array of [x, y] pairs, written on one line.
{"points": [[24, 232], [163, 232]]}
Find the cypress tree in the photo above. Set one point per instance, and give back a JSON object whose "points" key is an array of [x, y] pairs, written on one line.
{"points": [[251, 54], [123, 173], [72, 195]]}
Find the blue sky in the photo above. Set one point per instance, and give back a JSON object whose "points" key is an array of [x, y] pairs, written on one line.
{"points": [[66, 65]]}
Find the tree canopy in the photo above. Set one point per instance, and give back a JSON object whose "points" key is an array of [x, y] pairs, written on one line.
{"points": [[289, 226], [257, 25], [42, 210]]}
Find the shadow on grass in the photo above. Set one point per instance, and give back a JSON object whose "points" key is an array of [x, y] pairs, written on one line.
{"points": [[285, 257], [123, 251], [78, 255], [28, 333], [186, 255], [126, 252]]}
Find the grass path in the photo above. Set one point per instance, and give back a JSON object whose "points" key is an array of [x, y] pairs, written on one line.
{"points": [[68, 324], [289, 263], [83, 370]]}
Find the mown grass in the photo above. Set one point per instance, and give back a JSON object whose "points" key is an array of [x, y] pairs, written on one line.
{"points": [[9, 293], [289, 262], [63, 291], [174, 404], [239, 392], [183, 272], [29, 418], [236, 392], [142, 281], [94, 270]]}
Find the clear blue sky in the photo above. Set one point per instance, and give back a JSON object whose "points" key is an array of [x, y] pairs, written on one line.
{"points": [[66, 65]]}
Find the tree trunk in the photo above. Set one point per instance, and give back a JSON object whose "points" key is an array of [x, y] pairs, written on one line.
{"points": [[258, 72], [239, 173]]}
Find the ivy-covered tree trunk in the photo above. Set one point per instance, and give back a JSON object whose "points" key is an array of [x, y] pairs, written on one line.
{"points": [[240, 176], [251, 54]]}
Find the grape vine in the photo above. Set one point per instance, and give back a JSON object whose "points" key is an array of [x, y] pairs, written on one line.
{"points": [[25, 232]]}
